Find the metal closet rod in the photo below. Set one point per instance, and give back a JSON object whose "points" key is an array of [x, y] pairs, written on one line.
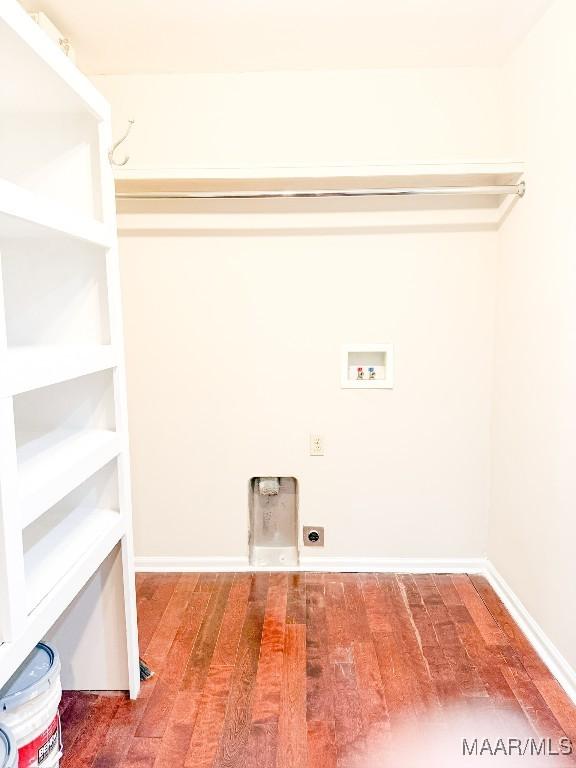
{"points": [[498, 189]]}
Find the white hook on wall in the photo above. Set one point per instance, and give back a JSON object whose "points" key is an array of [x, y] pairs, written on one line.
{"points": [[115, 146]]}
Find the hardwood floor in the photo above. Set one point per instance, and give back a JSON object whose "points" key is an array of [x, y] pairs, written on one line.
{"points": [[297, 670]]}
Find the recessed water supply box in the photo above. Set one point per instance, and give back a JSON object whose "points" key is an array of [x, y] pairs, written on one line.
{"points": [[273, 505], [367, 366]]}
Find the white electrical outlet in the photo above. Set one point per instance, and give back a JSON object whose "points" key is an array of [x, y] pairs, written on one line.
{"points": [[316, 445]]}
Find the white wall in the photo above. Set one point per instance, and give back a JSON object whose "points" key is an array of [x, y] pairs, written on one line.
{"points": [[314, 118], [533, 523], [233, 349], [233, 341]]}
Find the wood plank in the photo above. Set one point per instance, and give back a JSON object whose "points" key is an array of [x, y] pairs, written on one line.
{"points": [[116, 744], [75, 716], [150, 612], [377, 611], [489, 629], [211, 711], [321, 745], [201, 656], [528, 656], [373, 707], [171, 673], [438, 593], [444, 654], [262, 745], [537, 712], [178, 734], [339, 642], [146, 585], [142, 753], [356, 613], [85, 722], [423, 691], [292, 731], [266, 705], [233, 621], [487, 660], [347, 710], [181, 706], [208, 582], [87, 745], [401, 690], [559, 704], [447, 590], [296, 604], [163, 637], [319, 691], [237, 723]]}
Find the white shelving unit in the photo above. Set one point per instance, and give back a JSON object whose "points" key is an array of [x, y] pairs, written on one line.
{"points": [[66, 556]]}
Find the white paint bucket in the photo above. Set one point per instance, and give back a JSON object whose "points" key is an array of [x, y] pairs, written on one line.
{"points": [[29, 707], [8, 749]]}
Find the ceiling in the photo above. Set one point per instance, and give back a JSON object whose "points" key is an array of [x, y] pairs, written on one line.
{"points": [[131, 36]]}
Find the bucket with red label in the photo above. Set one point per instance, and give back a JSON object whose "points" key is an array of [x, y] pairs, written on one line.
{"points": [[29, 708]]}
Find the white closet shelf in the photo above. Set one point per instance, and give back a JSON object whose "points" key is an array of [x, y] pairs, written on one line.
{"points": [[94, 541], [52, 464], [66, 546], [26, 368], [24, 214], [465, 174]]}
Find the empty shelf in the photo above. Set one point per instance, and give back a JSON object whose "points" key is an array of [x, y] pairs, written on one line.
{"points": [[26, 368], [53, 464], [424, 174], [24, 214], [58, 544]]}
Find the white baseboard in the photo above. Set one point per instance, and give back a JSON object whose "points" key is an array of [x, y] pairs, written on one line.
{"points": [[318, 563], [190, 564], [564, 673], [393, 564]]}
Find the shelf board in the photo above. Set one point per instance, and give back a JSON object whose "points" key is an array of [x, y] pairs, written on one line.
{"points": [[59, 543], [26, 368], [56, 84], [24, 214], [103, 539], [52, 464], [265, 177]]}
